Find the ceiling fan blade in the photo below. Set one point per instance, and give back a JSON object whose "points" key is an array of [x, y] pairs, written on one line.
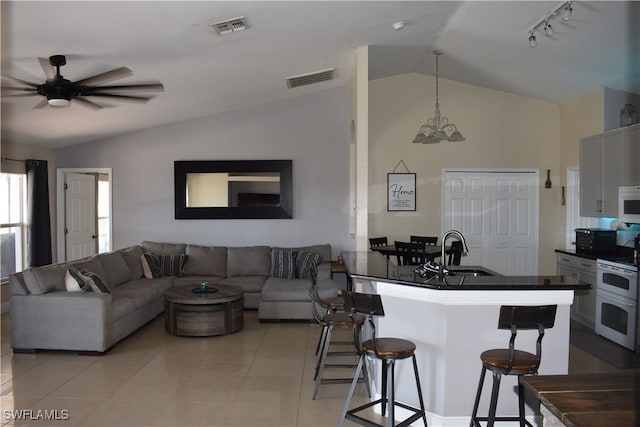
{"points": [[49, 70], [86, 103], [44, 102], [21, 89], [107, 76], [123, 98], [24, 82], [156, 87], [16, 95]]}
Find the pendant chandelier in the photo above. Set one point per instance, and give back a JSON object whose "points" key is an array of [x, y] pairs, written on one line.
{"points": [[438, 128]]}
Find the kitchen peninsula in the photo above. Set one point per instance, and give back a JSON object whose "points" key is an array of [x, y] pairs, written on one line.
{"points": [[452, 321]]}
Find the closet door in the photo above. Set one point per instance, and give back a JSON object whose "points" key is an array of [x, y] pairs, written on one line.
{"points": [[497, 212]]}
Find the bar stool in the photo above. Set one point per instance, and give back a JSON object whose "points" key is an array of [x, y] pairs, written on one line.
{"points": [[329, 321], [511, 361], [388, 350]]}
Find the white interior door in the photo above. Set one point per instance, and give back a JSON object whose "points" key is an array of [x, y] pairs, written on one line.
{"points": [[80, 215], [497, 212]]}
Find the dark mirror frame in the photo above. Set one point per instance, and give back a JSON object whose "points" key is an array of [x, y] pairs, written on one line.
{"points": [[283, 167]]}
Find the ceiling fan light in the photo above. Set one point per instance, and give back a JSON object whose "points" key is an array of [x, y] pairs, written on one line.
{"points": [[59, 102]]}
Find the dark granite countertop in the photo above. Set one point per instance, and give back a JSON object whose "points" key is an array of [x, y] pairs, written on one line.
{"points": [[622, 255], [375, 266]]}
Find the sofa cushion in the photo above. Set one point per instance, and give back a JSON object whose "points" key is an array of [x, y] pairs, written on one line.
{"points": [[73, 282], [282, 264], [96, 282], [93, 265], [159, 248], [40, 280], [116, 269], [206, 260], [305, 261], [252, 284], [155, 266], [131, 256], [276, 289], [248, 261]]}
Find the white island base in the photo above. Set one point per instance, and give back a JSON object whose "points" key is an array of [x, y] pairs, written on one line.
{"points": [[450, 329]]}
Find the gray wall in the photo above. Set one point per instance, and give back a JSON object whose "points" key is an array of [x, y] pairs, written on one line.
{"points": [[312, 130]]}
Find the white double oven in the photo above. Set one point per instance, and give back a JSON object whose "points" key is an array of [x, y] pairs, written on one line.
{"points": [[617, 303]]}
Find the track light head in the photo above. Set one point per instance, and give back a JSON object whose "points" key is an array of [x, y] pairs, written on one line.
{"points": [[532, 40], [548, 29], [566, 13]]}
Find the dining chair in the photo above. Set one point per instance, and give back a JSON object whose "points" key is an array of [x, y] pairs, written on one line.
{"points": [[454, 255], [410, 253], [376, 242], [427, 240]]}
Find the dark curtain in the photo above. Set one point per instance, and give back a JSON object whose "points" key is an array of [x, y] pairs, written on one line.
{"points": [[38, 218]]}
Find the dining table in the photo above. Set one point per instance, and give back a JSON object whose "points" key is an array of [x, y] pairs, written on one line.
{"points": [[587, 400]]}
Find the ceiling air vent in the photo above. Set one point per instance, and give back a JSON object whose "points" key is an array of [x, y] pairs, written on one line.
{"points": [[307, 79], [229, 26]]}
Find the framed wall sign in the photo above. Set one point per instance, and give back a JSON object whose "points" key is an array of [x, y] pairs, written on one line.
{"points": [[401, 191]]}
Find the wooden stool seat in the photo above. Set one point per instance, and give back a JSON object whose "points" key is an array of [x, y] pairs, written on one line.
{"points": [[343, 319], [389, 348], [498, 359], [334, 303]]}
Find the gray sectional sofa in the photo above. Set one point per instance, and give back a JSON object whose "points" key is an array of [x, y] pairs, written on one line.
{"points": [[45, 315]]}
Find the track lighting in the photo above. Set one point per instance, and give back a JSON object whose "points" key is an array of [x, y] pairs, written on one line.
{"points": [[564, 10], [548, 29]]}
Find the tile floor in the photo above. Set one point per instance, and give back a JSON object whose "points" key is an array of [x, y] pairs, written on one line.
{"points": [[260, 376]]}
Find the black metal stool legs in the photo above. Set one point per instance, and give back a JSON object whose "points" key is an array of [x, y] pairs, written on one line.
{"points": [[387, 401], [495, 388]]}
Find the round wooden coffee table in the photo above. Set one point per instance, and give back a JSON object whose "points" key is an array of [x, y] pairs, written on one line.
{"points": [[203, 314]]}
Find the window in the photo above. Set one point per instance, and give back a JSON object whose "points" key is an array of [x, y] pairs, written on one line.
{"points": [[12, 223]]}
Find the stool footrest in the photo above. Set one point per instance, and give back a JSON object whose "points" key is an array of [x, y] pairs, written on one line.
{"points": [[476, 420], [417, 414]]}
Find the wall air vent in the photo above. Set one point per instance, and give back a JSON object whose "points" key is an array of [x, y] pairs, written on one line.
{"points": [[229, 26], [310, 78]]}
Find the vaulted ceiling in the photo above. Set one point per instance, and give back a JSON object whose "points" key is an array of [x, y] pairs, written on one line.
{"points": [[484, 43]]}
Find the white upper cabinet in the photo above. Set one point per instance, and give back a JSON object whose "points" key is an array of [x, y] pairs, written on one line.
{"points": [[608, 161]]}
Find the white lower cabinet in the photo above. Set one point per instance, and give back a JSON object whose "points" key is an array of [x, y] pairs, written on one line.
{"points": [[583, 309]]}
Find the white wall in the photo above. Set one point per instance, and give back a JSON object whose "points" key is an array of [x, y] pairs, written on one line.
{"points": [[312, 130], [502, 130]]}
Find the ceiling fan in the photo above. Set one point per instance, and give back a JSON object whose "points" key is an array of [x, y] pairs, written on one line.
{"points": [[59, 92]]}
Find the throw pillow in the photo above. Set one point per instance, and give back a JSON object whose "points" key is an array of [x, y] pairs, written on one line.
{"points": [[305, 261], [74, 283], [282, 264], [155, 266], [95, 282]]}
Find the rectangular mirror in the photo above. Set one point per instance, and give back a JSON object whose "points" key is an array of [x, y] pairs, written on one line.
{"points": [[228, 189]]}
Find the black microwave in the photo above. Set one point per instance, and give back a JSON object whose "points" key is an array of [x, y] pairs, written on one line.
{"points": [[595, 240]]}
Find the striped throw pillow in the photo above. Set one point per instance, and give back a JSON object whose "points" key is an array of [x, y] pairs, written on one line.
{"points": [[94, 281], [305, 261], [155, 266], [282, 264]]}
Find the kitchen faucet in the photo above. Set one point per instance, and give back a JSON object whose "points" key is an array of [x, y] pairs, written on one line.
{"points": [[443, 240]]}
